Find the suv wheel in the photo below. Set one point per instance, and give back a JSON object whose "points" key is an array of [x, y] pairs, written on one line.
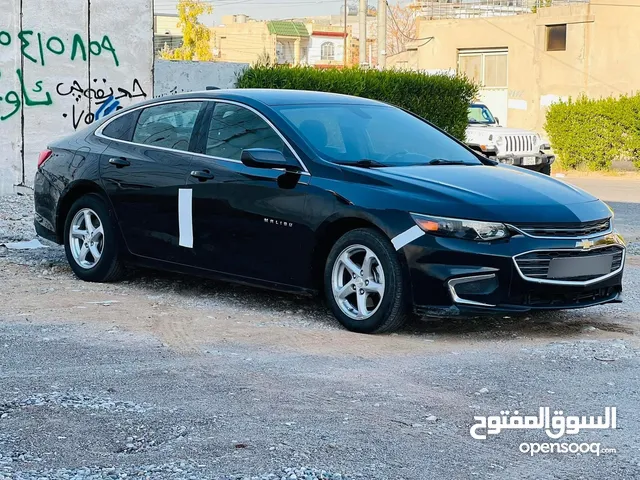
{"points": [[91, 242], [364, 283]]}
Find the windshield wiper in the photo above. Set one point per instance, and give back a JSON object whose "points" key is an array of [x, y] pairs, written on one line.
{"points": [[365, 163], [443, 161]]}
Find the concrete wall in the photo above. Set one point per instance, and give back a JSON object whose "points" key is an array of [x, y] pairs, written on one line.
{"points": [[177, 77], [242, 42], [602, 43], [62, 65]]}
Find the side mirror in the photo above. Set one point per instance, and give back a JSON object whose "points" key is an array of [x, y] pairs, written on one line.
{"points": [[267, 158]]}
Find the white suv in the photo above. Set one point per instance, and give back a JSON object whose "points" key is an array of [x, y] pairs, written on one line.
{"points": [[506, 145]]}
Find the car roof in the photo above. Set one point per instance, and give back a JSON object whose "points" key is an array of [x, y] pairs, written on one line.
{"points": [[273, 97]]}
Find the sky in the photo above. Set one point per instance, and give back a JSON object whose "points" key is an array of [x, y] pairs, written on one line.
{"points": [[262, 9]]}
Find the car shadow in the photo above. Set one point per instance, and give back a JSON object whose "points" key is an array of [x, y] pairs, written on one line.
{"points": [[308, 311]]}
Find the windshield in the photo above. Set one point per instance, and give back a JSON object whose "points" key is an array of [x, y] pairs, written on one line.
{"points": [[480, 114], [373, 135]]}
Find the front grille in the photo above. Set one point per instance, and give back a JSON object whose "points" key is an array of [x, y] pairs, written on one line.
{"points": [[521, 143], [535, 265], [569, 299], [565, 229]]}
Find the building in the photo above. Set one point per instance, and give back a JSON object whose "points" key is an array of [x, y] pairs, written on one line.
{"points": [[326, 47], [336, 23], [166, 32], [242, 39], [524, 63]]}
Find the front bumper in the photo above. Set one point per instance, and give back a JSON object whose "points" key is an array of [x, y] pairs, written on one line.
{"points": [[451, 276], [533, 161], [526, 160]]}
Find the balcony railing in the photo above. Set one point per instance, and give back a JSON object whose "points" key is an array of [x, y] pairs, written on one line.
{"points": [[436, 9]]}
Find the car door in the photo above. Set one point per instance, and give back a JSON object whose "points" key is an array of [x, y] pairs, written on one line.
{"points": [[142, 172], [249, 221]]}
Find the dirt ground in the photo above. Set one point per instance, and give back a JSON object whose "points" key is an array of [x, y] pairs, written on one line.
{"points": [[165, 376]]}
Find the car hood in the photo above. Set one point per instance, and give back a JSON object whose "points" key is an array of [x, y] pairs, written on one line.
{"points": [[497, 193]]}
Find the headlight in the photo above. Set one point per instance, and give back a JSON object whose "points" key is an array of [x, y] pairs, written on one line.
{"points": [[459, 228], [499, 140]]}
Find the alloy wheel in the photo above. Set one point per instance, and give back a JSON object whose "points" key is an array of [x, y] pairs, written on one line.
{"points": [[86, 238], [357, 282]]}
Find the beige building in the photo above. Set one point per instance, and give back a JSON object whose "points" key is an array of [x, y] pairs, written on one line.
{"points": [[242, 39], [524, 63], [166, 32]]}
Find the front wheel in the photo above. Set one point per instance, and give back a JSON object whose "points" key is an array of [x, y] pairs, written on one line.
{"points": [[91, 241], [364, 283]]}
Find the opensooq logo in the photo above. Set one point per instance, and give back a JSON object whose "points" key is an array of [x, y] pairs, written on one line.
{"points": [[555, 426]]}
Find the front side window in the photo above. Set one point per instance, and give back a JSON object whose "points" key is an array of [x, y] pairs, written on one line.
{"points": [[480, 114], [234, 128], [169, 125], [327, 51], [383, 134]]}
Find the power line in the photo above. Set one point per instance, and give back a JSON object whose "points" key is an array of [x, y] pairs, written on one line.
{"points": [[390, 10]]}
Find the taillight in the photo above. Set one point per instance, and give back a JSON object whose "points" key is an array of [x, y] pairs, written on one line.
{"points": [[43, 157]]}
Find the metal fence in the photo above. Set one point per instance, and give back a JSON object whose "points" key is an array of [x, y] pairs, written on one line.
{"points": [[436, 9], [169, 41]]}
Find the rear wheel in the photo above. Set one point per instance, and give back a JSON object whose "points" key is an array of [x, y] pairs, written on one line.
{"points": [[364, 283], [91, 242]]}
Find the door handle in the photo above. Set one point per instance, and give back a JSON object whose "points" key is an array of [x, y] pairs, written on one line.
{"points": [[119, 162], [202, 175]]}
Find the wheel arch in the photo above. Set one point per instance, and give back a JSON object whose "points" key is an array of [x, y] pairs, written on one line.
{"points": [[329, 233], [73, 192]]}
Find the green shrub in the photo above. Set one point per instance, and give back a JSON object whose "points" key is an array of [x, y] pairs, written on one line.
{"points": [[591, 133], [441, 99]]}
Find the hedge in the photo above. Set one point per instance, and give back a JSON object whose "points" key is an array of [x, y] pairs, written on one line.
{"points": [[591, 133], [441, 99]]}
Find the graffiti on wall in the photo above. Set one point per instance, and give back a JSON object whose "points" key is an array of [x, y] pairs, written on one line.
{"points": [[105, 98], [38, 49]]}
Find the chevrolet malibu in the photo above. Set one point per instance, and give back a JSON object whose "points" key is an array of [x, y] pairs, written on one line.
{"points": [[309, 192]]}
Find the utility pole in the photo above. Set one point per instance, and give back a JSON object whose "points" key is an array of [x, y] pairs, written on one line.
{"points": [[344, 53], [382, 33], [362, 13]]}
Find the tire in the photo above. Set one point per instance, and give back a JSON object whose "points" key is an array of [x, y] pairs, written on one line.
{"points": [[546, 169], [392, 306], [108, 267]]}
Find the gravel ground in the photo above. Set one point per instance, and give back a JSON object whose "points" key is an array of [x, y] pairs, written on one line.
{"points": [[169, 377]]}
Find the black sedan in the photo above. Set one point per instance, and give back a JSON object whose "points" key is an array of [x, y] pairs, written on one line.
{"points": [[310, 192]]}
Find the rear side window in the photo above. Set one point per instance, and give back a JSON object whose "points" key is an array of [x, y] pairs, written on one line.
{"points": [[235, 128], [169, 125], [122, 127]]}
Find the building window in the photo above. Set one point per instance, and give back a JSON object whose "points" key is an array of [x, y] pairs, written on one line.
{"points": [[327, 51], [556, 38], [486, 68]]}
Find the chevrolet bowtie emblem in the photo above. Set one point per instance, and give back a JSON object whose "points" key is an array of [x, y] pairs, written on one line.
{"points": [[585, 244]]}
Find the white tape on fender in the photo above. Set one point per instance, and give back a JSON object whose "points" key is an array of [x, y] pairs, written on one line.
{"points": [[407, 237], [185, 217]]}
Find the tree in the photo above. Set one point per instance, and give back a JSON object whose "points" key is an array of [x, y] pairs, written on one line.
{"points": [[401, 28], [196, 36]]}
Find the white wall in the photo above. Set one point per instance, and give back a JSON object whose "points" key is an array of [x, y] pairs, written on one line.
{"points": [[315, 49], [171, 77], [59, 91]]}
